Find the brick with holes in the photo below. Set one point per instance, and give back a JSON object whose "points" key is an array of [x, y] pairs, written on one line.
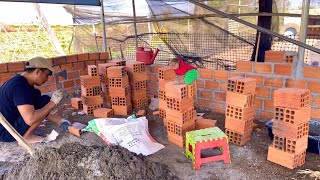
{"points": [[290, 131], [175, 90], [92, 70], [89, 109], [140, 103], [121, 100], [292, 116], [116, 71], [162, 113], [232, 83], [162, 83], [180, 130], [240, 100], [291, 98], [238, 138], [139, 85], [118, 62], [246, 86], [279, 143], [137, 76], [119, 81], [166, 73], [179, 105], [286, 159], [240, 113], [76, 103], [102, 69], [162, 94], [181, 118], [103, 113], [191, 90], [136, 66], [295, 146], [89, 81]]}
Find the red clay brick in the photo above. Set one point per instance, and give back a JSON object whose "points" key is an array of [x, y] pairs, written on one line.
{"points": [[311, 72], [76, 103], [67, 67], [258, 103], [211, 85], [244, 66], [259, 79], [151, 86], [262, 68], [291, 97], [263, 92], [234, 74], [16, 66], [83, 57], [274, 56], [94, 56], [104, 55], [141, 113], [72, 58], [268, 104], [202, 102], [317, 101], [153, 77], [78, 66], [290, 83], [206, 73], [5, 76], [283, 69], [205, 123], [273, 82], [217, 105], [220, 75], [157, 67], [220, 96], [200, 84], [315, 113], [240, 100], [206, 94], [149, 69], [59, 60], [3, 68], [100, 61], [68, 84], [223, 86], [73, 75], [314, 86], [267, 115], [90, 62]]}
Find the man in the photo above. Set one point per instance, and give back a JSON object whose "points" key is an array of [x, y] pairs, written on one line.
{"points": [[22, 104]]}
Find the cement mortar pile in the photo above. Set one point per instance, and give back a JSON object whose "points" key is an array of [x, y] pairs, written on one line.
{"points": [[75, 161]]}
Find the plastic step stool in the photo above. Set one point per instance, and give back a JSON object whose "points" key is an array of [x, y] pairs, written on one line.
{"points": [[204, 139]]}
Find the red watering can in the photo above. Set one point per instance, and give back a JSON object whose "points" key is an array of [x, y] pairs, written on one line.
{"points": [[146, 55]]}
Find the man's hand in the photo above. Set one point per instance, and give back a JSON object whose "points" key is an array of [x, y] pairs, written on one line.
{"points": [[56, 97]]}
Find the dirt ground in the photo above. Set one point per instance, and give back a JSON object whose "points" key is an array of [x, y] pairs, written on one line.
{"points": [[247, 162]]}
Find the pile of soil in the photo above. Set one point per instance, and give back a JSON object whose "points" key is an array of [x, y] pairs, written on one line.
{"points": [[76, 161]]}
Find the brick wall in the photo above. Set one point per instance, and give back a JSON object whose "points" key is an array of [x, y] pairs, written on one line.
{"points": [[76, 65], [212, 85]]}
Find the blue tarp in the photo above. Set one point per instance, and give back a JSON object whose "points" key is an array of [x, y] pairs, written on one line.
{"points": [[75, 2]]}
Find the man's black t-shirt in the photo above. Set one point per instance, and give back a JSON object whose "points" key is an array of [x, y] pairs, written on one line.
{"points": [[16, 91]]}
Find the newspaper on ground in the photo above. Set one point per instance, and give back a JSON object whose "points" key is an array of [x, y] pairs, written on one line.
{"points": [[129, 133]]}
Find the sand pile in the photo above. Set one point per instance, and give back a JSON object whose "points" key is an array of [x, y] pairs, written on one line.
{"points": [[75, 161]]}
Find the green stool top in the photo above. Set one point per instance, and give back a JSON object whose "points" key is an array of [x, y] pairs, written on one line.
{"points": [[207, 134]]}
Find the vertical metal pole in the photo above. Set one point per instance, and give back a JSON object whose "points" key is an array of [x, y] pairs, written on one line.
{"points": [[104, 34], [135, 23], [298, 67]]}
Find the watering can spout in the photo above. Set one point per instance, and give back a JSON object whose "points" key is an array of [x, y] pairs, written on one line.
{"points": [[159, 48]]}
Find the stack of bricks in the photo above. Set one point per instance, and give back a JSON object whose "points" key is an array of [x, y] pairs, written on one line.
{"points": [[119, 90], [104, 82], [240, 109], [90, 90], [138, 81], [180, 112], [292, 113], [165, 75]]}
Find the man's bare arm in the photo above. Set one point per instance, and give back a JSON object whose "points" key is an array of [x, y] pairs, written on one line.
{"points": [[31, 116], [53, 118]]}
